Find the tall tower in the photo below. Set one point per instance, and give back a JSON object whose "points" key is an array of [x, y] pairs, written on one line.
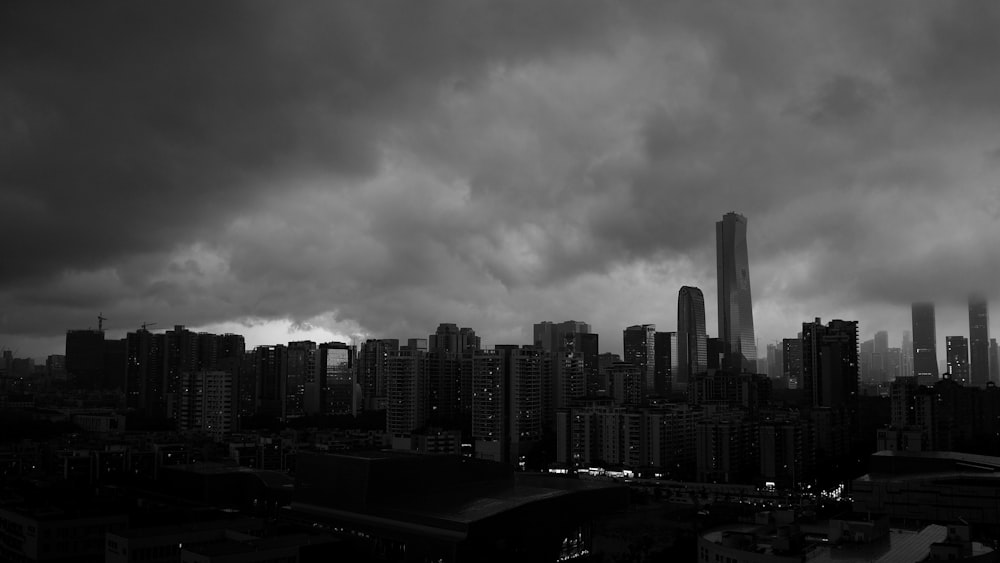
{"points": [[924, 341], [979, 341], [692, 340], [958, 358], [735, 305]]}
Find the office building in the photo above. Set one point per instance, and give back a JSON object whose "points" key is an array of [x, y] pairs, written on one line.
{"points": [[957, 355], [979, 342], [925, 363], [735, 303], [692, 340], [640, 350], [830, 362], [906, 358]]}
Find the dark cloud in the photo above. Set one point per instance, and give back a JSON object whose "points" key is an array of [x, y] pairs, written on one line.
{"points": [[385, 166]]}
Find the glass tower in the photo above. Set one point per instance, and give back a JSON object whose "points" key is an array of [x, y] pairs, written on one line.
{"points": [[735, 311], [692, 339]]}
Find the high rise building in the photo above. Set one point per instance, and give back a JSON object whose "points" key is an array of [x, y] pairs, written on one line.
{"points": [[958, 358], [301, 370], [925, 364], [206, 403], [979, 342], [144, 373], [735, 303], [180, 356], [692, 340], [271, 369], [906, 358], [830, 362], [85, 356], [994, 361], [337, 393], [774, 361], [508, 401], [407, 408], [865, 361], [791, 358], [665, 350], [640, 350], [372, 359], [880, 356], [552, 337]]}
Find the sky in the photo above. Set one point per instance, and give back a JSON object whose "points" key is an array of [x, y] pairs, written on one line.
{"points": [[341, 170]]}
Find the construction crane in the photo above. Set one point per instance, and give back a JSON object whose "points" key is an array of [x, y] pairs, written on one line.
{"points": [[145, 325], [100, 321]]}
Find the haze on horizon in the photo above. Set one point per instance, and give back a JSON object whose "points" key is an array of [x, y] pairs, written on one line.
{"points": [[325, 170]]}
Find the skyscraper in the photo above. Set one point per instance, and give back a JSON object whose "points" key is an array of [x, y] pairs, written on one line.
{"points": [[958, 358], [692, 340], [880, 357], [979, 342], [994, 361], [906, 355], [640, 350], [830, 363], [925, 363], [735, 304], [791, 359]]}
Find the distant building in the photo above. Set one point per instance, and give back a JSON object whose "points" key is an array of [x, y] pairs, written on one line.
{"points": [[735, 305], [791, 359], [979, 342], [957, 355], [925, 363]]}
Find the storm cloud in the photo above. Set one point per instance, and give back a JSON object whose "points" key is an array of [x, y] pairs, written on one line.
{"points": [[377, 168]]}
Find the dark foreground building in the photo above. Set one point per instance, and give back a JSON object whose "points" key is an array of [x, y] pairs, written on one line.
{"points": [[932, 487], [401, 507]]}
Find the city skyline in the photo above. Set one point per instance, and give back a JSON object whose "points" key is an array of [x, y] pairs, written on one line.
{"points": [[317, 172]]}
